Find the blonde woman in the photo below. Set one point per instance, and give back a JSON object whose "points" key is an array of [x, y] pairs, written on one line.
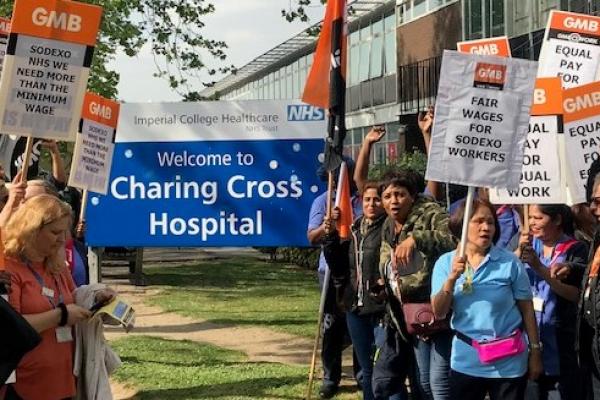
{"points": [[42, 291]]}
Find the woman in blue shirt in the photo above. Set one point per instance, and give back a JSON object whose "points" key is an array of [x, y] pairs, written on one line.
{"points": [[548, 246], [489, 294]]}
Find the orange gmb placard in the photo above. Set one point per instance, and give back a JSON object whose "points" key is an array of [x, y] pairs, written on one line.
{"points": [[547, 97], [581, 102], [573, 22], [498, 46], [490, 73], [4, 26], [64, 20], [100, 109]]}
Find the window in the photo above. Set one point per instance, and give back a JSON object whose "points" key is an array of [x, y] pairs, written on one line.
{"points": [[475, 27], [390, 53], [522, 12], [578, 6], [354, 38], [277, 89], [433, 4], [389, 23], [295, 81], [354, 65], [405, 13], [545, 6], [497, 17], [365, 33], [376, 56], [419, 8], [357, 136], [365, 61]]}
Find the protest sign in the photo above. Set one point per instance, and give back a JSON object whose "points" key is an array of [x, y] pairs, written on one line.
{"points": [[4, 32], [571, 48], [582, 135], [210, 174], [481, 120], [498, 46], [46, 67], [94, 146], [540, 181]]}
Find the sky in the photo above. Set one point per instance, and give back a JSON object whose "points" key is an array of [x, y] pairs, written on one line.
{"points": [[249, 27]]}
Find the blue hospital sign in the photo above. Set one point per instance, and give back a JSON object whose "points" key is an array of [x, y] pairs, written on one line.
{"points": [[210, 174]]}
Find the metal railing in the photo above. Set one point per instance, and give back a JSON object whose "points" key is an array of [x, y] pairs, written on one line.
{"points": [[418, 82]]}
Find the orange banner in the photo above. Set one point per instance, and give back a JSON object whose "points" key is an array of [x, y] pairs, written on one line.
{"points": [[4, 26], [582, 102], [547, 97], [573, 22], [67, 21], [498, 46], [97, 108]]}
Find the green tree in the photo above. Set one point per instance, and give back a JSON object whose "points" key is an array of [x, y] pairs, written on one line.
{"points": [[415, 160], [172, 29]]}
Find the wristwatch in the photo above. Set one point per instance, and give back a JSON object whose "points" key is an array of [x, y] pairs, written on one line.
{"points": [[536, 346]]}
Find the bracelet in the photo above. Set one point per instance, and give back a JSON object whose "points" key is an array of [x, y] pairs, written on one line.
{"points": [[64, 314], [536, 346]]}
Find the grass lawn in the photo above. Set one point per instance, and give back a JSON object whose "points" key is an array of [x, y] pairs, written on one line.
{"points": [[166, 369], [240, 291]]}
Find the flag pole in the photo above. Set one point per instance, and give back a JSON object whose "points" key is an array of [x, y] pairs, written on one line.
{"points": [[84, 201], [467, 217], [26, 159], [313, 360]]}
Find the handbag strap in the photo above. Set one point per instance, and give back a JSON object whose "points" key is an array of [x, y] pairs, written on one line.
{"points": [[461, 336]]}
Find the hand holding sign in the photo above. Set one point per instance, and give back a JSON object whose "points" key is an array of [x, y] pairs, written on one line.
{"points": [[16, 192], [425, 121]]}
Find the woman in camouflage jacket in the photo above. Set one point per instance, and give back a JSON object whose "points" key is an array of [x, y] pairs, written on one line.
{"points": [[415, 234]]}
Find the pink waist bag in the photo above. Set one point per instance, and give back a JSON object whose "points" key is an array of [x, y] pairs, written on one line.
{"points": [[490, 351], [493, 350]]}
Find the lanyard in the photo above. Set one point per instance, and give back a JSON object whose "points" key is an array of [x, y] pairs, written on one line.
{"points": [[40, 280]]}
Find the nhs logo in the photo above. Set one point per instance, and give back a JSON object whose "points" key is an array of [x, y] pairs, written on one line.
{"points": [[303, 112]]}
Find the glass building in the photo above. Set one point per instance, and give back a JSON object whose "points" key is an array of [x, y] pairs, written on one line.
{"points": [[394, 57]]}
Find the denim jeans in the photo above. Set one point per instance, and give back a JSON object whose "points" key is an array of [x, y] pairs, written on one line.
{"points": [[366, 332], [433, 366]]}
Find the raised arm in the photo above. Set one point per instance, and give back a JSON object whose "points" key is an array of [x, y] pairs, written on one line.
{"points": [[58, 167], [361, 171], [425, 122]]}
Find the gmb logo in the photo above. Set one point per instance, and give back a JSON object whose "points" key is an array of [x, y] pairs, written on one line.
{"points": [[303, 112]]}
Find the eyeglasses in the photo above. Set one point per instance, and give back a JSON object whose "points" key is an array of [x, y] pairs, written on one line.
{"points": [[595, 202]]}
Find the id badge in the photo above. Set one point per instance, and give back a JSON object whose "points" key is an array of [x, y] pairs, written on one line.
{"points": [[538, 304], [64, 334], [47, 292]]}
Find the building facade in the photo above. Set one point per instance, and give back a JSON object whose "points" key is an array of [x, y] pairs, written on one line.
{"points": [[394, 59]]}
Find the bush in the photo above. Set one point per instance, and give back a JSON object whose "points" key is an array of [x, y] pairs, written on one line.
{"points": [[414, 160]]}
